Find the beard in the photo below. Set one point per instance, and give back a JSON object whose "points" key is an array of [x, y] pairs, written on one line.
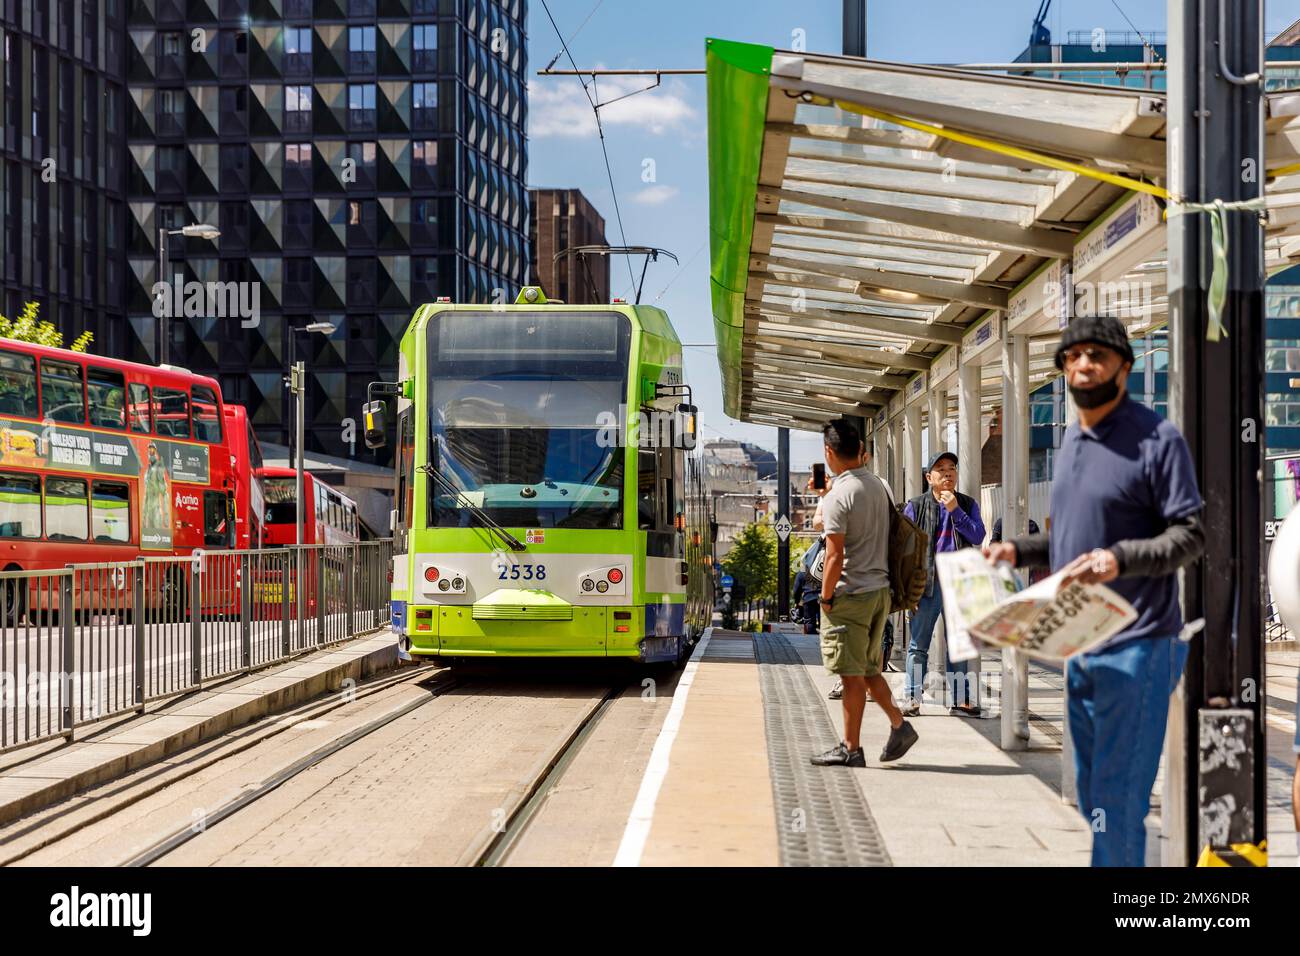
{"points": [[1097, 395]]}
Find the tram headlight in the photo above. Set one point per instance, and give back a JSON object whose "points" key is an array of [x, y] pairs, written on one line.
{"points": [[458, 584], [602, 586], [444, 585], [588, 584]]}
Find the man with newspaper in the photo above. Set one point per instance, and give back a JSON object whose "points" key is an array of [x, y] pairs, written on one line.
{"points": [[1125, 512]]}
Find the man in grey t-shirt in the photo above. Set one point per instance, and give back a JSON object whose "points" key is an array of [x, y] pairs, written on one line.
{"points": [[855, 596]]}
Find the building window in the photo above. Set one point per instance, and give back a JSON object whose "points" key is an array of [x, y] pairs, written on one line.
{"points": [[424, 99], [361, 105], [425, 152], [363, 154], [425, 44], [297, 154], [361, 49], [297, 109], [297, 49]]}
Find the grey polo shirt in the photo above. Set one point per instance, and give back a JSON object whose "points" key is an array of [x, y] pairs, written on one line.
{"points": [[858, 508]]}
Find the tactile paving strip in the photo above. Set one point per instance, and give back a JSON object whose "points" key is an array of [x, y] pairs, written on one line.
{"points": [[822, 819]]}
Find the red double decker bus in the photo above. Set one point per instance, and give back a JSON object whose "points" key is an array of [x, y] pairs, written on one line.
{"points": [[331, 519], [103, 460], [246, 455]]}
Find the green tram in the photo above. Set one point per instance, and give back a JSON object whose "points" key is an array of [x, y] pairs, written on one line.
{"points": [[546, 503]]}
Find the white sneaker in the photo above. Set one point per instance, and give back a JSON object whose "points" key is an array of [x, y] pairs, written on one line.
{"points": [[837, 691], [912, 708]]}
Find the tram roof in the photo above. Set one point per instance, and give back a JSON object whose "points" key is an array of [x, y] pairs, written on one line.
{"points": [[870, 221]]}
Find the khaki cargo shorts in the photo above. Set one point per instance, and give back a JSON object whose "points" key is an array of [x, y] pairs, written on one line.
{"points": [[851, 645]]}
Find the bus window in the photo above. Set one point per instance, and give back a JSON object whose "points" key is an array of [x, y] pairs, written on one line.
{"points": [[20, 506], [65, 509], [62, 395], [254, 450], [141, 420], [18, 385], [171, 413], [110, 512], [106, 395], [216, 524], [207, 415]]}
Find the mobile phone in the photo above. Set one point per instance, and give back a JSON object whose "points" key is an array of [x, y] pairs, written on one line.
{"points": [[819, 475]]}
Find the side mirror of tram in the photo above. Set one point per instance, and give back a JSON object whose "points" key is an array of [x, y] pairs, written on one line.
{"points": [[376, 419], [687, 426]]}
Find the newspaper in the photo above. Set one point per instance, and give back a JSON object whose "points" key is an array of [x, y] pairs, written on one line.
{"points": [[986, 603]]}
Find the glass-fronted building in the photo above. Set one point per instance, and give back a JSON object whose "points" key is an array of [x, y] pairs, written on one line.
{"points": [[62, 165]]}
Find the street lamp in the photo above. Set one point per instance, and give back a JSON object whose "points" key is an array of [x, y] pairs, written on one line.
{"points": [[194, 231], [298, 387]]}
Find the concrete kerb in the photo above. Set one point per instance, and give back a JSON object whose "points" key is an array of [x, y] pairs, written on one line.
{"points": [[68, 770]]}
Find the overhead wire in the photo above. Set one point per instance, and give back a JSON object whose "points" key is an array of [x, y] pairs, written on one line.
{"points": [[600, 130]]}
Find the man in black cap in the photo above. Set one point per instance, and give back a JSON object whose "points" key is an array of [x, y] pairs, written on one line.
{"points": [[1126, 513], [952, 520]]}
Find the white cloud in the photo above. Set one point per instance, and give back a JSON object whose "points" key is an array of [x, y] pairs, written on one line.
{"points": [[558, 107], [654, 195]]}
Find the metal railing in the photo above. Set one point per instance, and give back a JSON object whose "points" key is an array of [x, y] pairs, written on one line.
{"points": [[94, 640]]}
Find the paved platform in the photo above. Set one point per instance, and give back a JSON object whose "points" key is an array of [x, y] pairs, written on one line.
{"points": [[37, 776], [734, 785]]}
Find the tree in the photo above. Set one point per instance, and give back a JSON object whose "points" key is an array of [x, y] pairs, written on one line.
{"points": [[28, 327], [752, 561]]}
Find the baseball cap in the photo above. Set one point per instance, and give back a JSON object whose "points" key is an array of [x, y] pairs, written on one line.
{"points": [[1102, 329], [940, 457]]}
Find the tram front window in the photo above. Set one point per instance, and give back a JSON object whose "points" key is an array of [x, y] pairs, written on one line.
{"points": [[519, 413]]}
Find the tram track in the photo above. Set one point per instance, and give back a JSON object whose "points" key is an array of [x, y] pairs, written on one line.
{"points": [[183, 835], [214, 807], [516, 824], [140, 785]]}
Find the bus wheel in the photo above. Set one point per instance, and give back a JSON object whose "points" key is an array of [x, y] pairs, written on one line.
{"points": [[15, 601]]}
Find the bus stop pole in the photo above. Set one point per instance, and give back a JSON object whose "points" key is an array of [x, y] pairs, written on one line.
{"points": [[1216, 152]]}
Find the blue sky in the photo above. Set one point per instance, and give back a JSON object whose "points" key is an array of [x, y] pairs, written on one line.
{"points": [[657, 142]]}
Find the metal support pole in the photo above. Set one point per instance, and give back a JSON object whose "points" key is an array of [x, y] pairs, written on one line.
{"points": [[319, 555], [1015, 521], [245, 611], [162, 312], [288, 588], [937, 427], [196, 620], [67, 630], [350, 586], [896, 480], [969, 469], [1069, 791], [1216, 152], [911, 453], [783, 510], [138, 620], [854, 41]]}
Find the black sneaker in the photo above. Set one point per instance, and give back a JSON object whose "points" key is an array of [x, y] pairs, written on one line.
{"points": [[900, 742], [964, 710], [840, 756], [837, 691]]}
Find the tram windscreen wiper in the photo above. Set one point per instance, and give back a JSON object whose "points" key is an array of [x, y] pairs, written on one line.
{"points": [[513, 543]]}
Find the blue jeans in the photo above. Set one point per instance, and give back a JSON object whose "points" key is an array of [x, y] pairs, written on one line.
{"points": [[956, 675], [1119, 702], [811, 616]]}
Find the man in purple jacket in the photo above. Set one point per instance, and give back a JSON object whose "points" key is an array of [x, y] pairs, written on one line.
{"points": [[952, 520]]}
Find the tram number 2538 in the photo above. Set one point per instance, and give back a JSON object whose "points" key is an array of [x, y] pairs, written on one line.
{"points": [[517, 572]]}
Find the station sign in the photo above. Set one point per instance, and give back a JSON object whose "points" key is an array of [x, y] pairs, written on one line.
{"points": [[944, 366], [1043, 296], [1131, 233], [727, 581], [982, 337], [915, 390]]}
